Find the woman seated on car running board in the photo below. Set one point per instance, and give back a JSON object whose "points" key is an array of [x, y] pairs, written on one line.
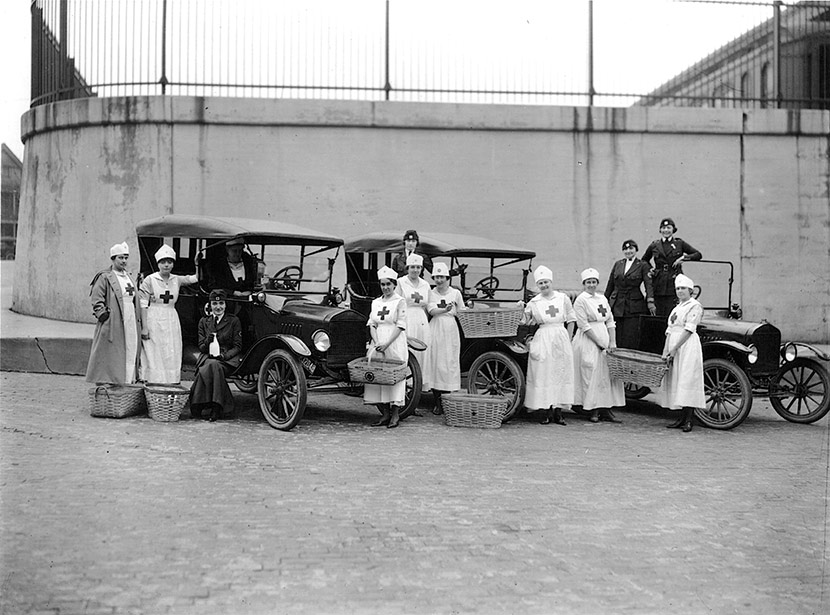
{"points": [[220, 342]]}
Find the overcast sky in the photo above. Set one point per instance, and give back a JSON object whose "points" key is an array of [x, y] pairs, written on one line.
{"points": [[638, 43]]}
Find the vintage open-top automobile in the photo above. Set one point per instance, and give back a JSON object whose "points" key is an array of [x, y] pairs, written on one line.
{"points": [[489, 274], [742, 358], [297, 340]]}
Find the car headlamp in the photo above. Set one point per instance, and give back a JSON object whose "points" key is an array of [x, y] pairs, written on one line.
{"points": [[789, 352], [321, 340], [752, 357]]}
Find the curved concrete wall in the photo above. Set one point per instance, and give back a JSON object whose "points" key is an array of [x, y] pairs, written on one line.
{"points": [[570, 183]]}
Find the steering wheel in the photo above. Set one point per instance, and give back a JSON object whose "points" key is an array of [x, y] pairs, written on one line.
{"points": [[282, 278], [487, 286]]}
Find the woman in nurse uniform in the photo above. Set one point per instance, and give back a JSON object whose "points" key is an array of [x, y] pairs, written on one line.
{"points": [[415, 290], [683, 385], [550, 366], [594, 389], [387, 327]]}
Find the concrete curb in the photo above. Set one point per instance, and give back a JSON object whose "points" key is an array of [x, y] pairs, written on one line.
{"points": [[45, 355]]}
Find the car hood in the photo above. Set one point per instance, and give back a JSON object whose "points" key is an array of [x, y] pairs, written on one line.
{"points": [[323, 313]]}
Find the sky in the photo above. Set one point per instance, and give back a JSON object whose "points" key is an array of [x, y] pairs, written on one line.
{"points": [[638, 43]]}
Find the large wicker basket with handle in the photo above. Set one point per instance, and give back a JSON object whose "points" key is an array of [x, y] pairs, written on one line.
{"points": [[165, 402], [468, 410], [116, 402], [490, 322], [637, 367], [377, 371]]}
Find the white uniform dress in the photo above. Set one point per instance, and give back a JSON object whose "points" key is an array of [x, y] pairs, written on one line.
{"points": [[128, 290], [593, 385], [683, 384], [387, 315], [550, 368], [417, 323], [444, 359], [161, 355]]}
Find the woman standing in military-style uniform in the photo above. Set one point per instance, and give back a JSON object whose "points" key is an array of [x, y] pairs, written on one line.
{"points": [[668, 253], [624, 294]]}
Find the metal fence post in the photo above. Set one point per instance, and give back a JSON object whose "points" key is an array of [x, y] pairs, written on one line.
{"points": [[591, 90], [388, 85], [63, 55], [163, 80], [776, 52]]}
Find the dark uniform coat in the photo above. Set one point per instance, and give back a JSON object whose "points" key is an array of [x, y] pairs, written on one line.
{"points": [[107, 356], [664, 252], [221, 276], [626, 299]]}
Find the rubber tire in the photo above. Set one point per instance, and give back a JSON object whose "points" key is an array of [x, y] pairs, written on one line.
{"points": [[246, 384], [807, 369], [724, 373], [496, 363], [414, 384], [281, 362], [635, 392]]}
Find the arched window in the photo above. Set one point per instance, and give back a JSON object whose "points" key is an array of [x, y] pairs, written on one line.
{"points": [[745, 92], [766, 85]]}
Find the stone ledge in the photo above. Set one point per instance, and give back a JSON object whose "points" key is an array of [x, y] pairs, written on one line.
{"points": [[172, 110]]}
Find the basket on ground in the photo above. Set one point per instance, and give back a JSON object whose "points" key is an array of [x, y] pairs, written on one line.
{"points": [[116, 402], [377, 371], [165, 402], [468, 410], [637, 367], [490, 322]]}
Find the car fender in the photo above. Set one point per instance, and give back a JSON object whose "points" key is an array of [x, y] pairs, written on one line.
{"points": [[253, 359], [820, 354], [726, 344], [513, 345]]}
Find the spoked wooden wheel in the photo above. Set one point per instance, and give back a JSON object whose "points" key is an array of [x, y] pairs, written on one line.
{"points": [[496, 373], [414, 383], [281, 389], [800, 391], [728, 395]]}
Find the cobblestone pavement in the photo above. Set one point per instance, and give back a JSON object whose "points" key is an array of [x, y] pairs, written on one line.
{"points": [[136, 516]]}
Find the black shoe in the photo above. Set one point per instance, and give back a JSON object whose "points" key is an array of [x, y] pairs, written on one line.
{"points": [[545, 420], [384, 420], [687, 427], [594, 418], [395, 420], [557, 417], [195, 413], [214, 414], [416, 413], [609, 417]]}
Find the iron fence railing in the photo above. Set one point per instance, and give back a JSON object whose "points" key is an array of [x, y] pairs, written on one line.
{"points": [[569, 52]]}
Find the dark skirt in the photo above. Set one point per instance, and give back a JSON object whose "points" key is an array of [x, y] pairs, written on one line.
{"points": [[211, 386]]}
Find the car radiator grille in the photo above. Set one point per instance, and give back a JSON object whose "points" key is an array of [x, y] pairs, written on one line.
{"points": [[348, 341]]}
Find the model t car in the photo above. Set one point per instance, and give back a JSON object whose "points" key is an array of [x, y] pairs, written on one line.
{"points": [[742, 359], [297, 340], [490, 274]]}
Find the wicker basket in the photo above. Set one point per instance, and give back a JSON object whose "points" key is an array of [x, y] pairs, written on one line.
{"points": [[468, 410], [490, 322], [377, 371], [116, 402], [636, 367], [165, 403]]}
